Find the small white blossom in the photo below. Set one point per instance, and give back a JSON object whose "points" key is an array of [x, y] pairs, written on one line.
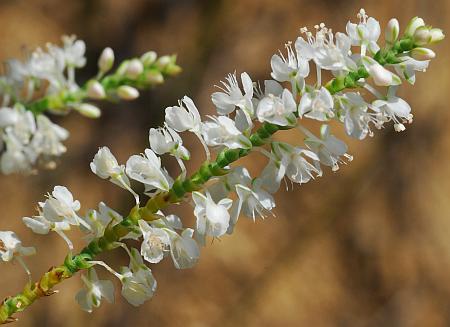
{"points": [[213, 218], [156, 242], [366, 33], [99, 220], [232, 96], [94, 289], [395, 109], [328, 148], [166, 140], [105, 166], [147, 170], [290, 69], [182, 118], [138, 283], [11, 247], [317, 104], [222, 130], [277, 110]]}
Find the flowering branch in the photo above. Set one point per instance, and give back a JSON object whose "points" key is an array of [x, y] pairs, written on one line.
{"points": [[231, 133], [45, 83]]}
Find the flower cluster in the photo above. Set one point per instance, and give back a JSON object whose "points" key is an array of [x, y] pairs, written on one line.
{"points": [[361, 96], [45, 82]]}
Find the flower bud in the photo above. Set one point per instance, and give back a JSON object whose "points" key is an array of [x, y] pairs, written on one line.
{"points": [[413, 25], [134, 68], [126, 92], [95, 90], [149, 58], [381, 76], [88, 110], [154, 77], [392, 31], [106, 60], [437, 35], [163, 61], [422, 54], [422, 36]]}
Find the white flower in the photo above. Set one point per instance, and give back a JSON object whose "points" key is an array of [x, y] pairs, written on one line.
{"points": [[48, 136], [408, 67], [328, 148], [147, 170], [11, 247], [232, 96], [105, 165], [60, 206], [253, 200], [156, 242], [17, 157], [222, 130], [290, 69], [381, 76], [90, 296], [184, 119], [99, 220], [166, 140], [277, 110], [212, 218], [324, 51], [39, 224], [356, 118], [138, 283], [73, 51], [317, 104], [183, 248], [293, 162], [395, 109], [366, 33]]}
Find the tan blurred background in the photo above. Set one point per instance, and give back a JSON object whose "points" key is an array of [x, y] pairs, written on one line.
{"points": [[367, 246]]}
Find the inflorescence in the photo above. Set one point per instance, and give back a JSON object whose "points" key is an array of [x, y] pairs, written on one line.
{"points": [[45, 83], [361, 95]]}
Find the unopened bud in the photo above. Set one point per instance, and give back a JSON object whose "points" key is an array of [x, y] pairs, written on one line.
{"points": [[149, 58], [413, 25], [163, 61], [381, 76], [95, 90], [106, 60], [154, 77], [126, 92], [134, 68], [437, 35], [88, 110], [422, 54], [392, 31], [422, 36]]}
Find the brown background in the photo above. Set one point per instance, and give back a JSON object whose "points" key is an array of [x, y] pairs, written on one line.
{"points": [[367, 246]]}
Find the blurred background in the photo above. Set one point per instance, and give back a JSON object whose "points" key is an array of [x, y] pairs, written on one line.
{"points": [[366, 246]]}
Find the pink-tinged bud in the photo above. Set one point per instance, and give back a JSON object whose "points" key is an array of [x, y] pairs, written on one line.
{"points": [[88, 110], [126, 92], [134, 68], [106, 60], [154, 77], [422, 54], [95, 90], [422, 36], [380, 75], [437, 35], [392, 31], [413, 25]]}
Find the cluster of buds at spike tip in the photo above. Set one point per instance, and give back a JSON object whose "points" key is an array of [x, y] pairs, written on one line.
{"points": [[362, 97], [45, 83]]}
